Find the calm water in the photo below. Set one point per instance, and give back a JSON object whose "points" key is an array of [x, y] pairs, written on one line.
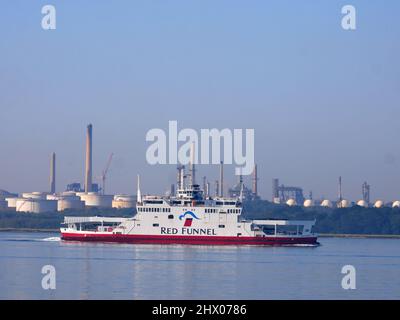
{"points": [[112, 271]]}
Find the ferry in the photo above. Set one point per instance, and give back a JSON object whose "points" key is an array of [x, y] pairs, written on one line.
{"points": [[189, 217]]}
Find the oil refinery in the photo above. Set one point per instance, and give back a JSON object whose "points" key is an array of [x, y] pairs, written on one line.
{"points": [[93, 195]]}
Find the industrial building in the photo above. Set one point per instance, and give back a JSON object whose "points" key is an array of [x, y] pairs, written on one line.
{"points": [[282, 194], [240, 188], [92, 195]]}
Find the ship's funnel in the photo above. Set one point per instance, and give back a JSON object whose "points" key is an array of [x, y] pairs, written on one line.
{"points": [[53, 173], [88, 167]]}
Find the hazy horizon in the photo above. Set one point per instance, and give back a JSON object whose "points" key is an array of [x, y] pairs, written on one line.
{"points": [[324, 102]]}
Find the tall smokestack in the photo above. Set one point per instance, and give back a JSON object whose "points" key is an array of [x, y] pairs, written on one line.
{"points": [[221, 179], [340, 195], [88, 169], [255, 178], [53, 173], [275, 189]]}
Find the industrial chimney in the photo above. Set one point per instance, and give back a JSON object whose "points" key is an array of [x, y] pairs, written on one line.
{"points": [[88, 164], [340, 195], [221, 179], [255, 178], [53, 173]]}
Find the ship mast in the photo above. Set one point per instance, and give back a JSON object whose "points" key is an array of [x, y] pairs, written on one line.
{"points": [[139, 194], [191, 167]]}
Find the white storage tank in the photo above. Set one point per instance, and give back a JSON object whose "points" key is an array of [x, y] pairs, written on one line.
{"points": [[34, 195], [378, 204], [70, 202], [68, 193], [308, 203], [326, 203], [362, 203], [4, 196], [93, 199], [11, 202], [343, 204], [124, 201], [52, 197], [276, 201], [291, 202], [396, 204], [35, 205]]}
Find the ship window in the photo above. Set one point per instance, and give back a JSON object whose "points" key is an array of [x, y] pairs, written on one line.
{"points": [[221, 226], [156, 225], [239, 234], [171, 216]]}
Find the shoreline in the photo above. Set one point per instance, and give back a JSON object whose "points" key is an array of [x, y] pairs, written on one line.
{"points": [[27, 230], [343, 235], [320, 235]]}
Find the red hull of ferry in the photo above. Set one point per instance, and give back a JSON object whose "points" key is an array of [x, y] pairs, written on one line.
{"points": [[192, 240]]}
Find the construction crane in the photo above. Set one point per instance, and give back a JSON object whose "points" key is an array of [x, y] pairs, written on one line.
{"points": [[104, 173]]}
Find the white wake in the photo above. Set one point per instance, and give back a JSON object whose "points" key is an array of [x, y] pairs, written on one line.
{"points": [[51, 239]]}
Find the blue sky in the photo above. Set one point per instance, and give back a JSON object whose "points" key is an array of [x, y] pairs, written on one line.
{"points": [[323, 101]]}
